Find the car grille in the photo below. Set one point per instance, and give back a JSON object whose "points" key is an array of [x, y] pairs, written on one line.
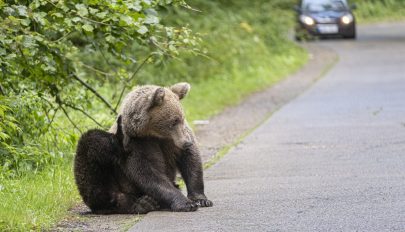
{"points": [[326, 20]]}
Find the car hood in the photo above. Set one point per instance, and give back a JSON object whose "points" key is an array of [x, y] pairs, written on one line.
{"points": [[326, 14]]}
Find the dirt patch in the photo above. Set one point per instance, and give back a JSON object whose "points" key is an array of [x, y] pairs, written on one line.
{"points": [[220, 131]]}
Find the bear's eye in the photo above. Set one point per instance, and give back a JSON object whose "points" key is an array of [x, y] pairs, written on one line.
{"points": [[175, 122]]}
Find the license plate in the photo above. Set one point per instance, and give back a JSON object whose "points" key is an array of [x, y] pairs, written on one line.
{"points": [[328, 29]]}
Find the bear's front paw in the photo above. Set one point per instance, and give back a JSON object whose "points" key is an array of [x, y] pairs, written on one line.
{"points": [[188, 206], [204, 203], [201, 200], [145, 204]]}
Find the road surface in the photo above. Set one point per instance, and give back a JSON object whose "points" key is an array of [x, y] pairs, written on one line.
{"points": [[333, 159]]}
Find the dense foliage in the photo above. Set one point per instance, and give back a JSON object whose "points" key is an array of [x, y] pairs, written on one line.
{"points": [[376, 10], [45, 75]]}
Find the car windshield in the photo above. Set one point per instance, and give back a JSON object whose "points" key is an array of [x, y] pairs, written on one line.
{"points": [[323, 5]]}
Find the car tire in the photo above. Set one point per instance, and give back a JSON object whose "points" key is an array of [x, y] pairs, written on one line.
{"points": [[351, 35]]}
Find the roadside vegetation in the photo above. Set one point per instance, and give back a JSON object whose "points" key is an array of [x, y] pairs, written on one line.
{"points": [[66, 65], [379, 10]]}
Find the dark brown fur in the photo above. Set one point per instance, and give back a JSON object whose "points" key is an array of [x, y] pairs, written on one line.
{"points": [[133, 169], [159, 143], [103, 185]]}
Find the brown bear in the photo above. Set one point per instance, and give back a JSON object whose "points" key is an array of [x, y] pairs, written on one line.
{"points": [[100, 179], [158, 143], [133, 169]]}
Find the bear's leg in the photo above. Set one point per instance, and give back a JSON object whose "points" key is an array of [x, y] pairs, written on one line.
{"points": [[93, 182], [191, 170], [128, 204], [144, 204], [157, 185]]}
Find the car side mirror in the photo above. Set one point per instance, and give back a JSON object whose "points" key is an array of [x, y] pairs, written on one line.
{"points": [[353, 6], [297, 8]]}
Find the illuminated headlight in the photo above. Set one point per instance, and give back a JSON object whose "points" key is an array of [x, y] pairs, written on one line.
{"points": [[346, 19], [307, 20]]}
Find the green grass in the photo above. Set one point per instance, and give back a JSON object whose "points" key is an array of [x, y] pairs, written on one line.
{"points": [[36, 203], [370, 11], [212, 96], [245, 51]]}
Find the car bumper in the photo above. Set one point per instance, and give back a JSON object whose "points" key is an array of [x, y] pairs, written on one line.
{"points": [[327, 29]]}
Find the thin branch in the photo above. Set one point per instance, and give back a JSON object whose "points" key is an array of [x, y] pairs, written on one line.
{"points": [[159, 47], [51, 120], [53, 116], [101, 51], [62, 37], [1, 90], [51, 3], [94, 92], [133, 75], [95, 70], [191, 8], [70, 120], [23, 56], [94, 21], [85, 113]]}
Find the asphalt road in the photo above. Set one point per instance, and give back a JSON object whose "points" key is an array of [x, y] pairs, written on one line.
{"points": [[333, 159]]}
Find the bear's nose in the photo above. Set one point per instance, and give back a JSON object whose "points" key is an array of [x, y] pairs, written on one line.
{"points": [[187, 145]]}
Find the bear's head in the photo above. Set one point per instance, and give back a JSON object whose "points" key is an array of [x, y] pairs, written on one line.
{"points": [[154, 111]]}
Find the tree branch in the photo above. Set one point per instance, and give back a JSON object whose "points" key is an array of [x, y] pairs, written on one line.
{"points": [[85, 113], [91, 89], [95, 70], [70, 120], [50, 120], [133, 75], [1, 90]]}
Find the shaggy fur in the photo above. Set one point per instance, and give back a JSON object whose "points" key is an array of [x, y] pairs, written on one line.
{"points": [[133, 169], [159, 143], [101, 182]]}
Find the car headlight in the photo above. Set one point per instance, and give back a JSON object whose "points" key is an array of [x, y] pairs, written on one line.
{"points": [[307, 20], [346, 19]]}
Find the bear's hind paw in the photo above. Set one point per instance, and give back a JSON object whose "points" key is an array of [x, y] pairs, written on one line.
{"points": [[145, 204]]}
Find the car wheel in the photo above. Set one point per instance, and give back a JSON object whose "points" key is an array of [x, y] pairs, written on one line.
{"points": [[350, 36]]}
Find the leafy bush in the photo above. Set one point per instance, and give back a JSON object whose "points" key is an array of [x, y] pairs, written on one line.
{"points": [[46, 77], [243, 49]]}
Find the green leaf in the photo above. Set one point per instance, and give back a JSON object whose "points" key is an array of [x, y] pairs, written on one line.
{"points": [[126, 20], [93, 10], [22, 10], [110, 39], [82, 10], [88, 27], [25, 22], [101, 15], [76, 19], [40, 17], [135, 6], [58, 15], [151, 19], [142, 30]]}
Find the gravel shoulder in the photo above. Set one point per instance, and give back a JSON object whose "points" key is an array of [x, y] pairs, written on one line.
{"points": [[221, 131]]}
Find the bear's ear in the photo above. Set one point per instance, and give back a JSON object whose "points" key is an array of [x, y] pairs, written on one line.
{"points": [[158, 97], [119, 133], [180, 89]]}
